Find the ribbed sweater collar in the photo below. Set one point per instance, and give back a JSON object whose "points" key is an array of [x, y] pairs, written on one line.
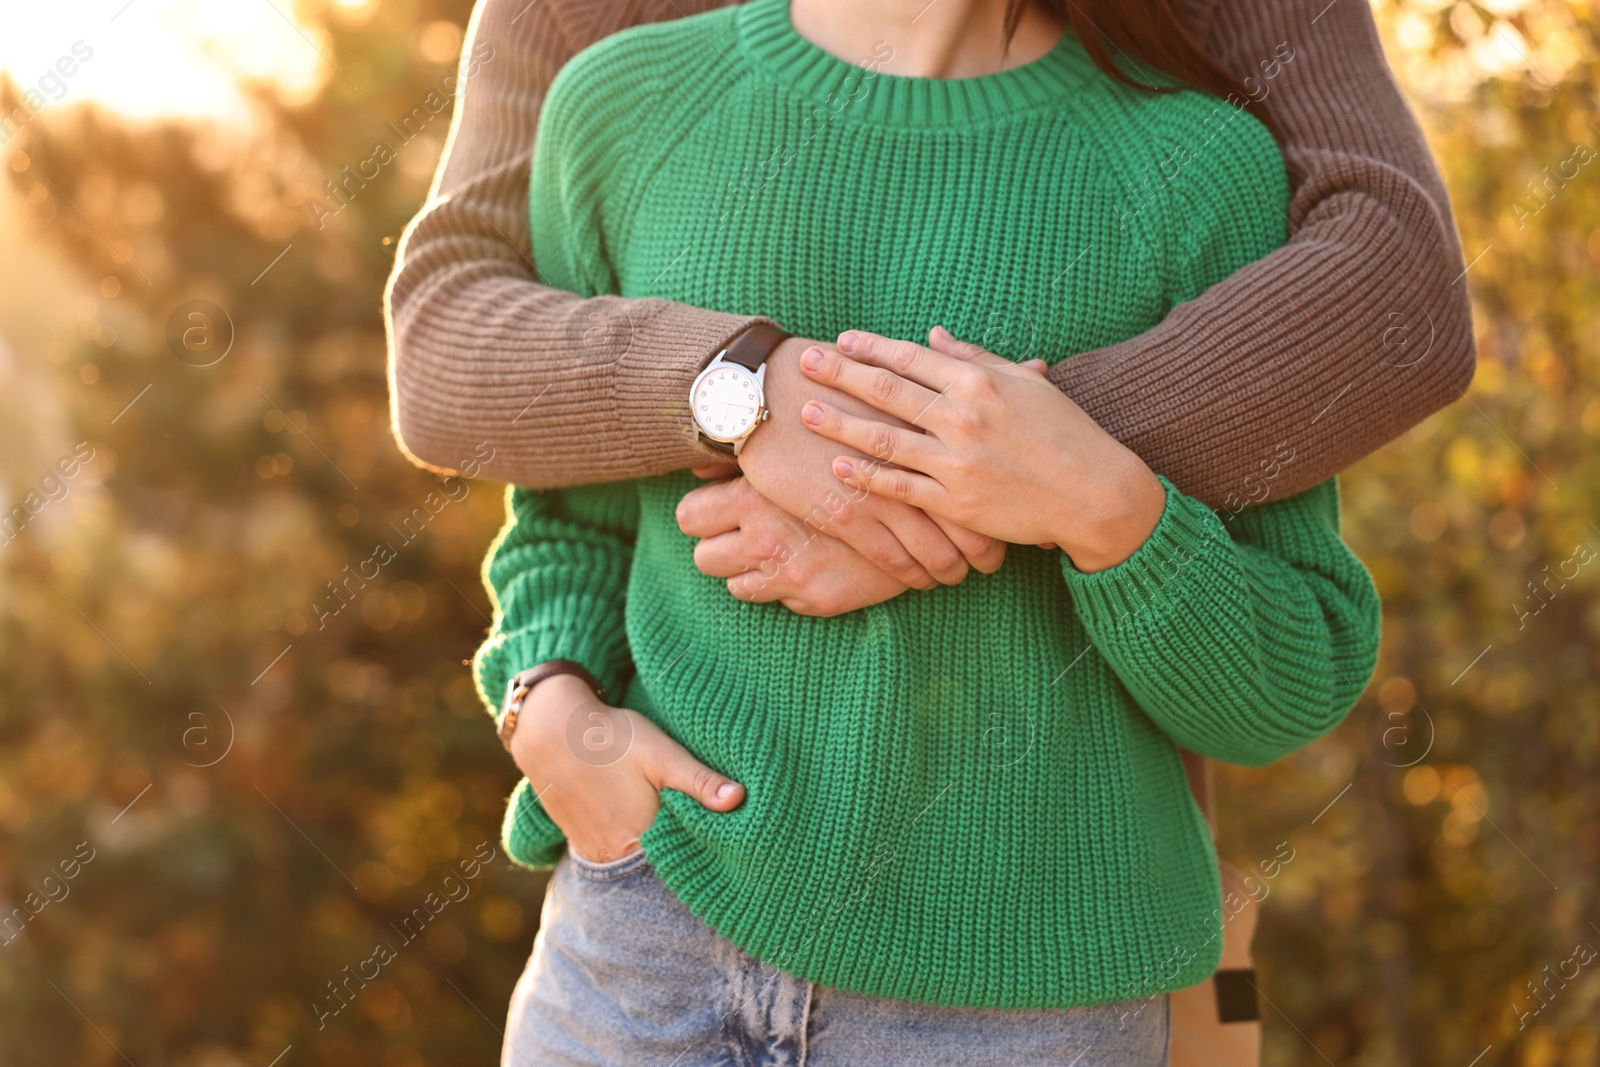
{"points": [[858, 91]]}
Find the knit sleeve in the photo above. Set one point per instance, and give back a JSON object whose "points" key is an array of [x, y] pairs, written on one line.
{"points": [[558, 577], [476, 326], [1307, 333], [1224, 206], [580, 164], [558, 572], [1243, 636]]}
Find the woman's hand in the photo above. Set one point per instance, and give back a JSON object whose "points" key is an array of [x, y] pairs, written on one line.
{"points": [[790, 467], [987, 444], [768, 555], [599, 771]]}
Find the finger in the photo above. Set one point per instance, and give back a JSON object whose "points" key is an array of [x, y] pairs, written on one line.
{"points": [[984, 553], [715, 470], [756, 586], [868, 535], [942, 340], [885, 443], [671, 766], [922, 537], [908, 487], [928, 368], [883, 388], [724, 555], [712, 509]]}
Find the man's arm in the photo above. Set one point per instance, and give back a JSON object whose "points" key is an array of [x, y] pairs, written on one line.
{"points": [[1353, 332], [569, 391], [573, 391], [1262, 642]]}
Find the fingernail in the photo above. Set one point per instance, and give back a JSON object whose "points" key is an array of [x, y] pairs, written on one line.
{"points": [[811, 414], [942, 334], [847, 342], [726, 790], [811, 359], [843, 468]]}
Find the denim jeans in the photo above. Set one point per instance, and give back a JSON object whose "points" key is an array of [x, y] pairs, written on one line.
{"points": [[623, 975]]}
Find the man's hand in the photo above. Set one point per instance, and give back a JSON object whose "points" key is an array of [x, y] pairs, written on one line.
{"points": [[768, 555], [599, 770], [792, 467]]}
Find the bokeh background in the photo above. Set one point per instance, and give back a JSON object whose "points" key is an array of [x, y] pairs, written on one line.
{"points": [[215, 797]]}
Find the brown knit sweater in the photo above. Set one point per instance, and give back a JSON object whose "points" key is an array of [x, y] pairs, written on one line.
{"points": [[1349, 335]]}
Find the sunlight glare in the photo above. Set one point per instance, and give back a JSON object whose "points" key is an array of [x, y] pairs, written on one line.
{"points": [[147, 59]]}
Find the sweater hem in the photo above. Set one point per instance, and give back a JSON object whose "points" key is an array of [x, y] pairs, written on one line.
{"points": [[703, 886]]}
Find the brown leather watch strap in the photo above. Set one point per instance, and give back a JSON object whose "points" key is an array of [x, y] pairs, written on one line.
{"points": [[752, 347], [522, 684]]}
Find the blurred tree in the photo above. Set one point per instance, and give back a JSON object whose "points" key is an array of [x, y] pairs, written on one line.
{"points": [[1439, 901], [269, 782]]}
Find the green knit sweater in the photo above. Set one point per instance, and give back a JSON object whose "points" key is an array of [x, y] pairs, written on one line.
{"points": [[971, 795]]}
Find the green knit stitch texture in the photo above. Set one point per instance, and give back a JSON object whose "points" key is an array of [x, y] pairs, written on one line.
{"points": [[972, 795]]}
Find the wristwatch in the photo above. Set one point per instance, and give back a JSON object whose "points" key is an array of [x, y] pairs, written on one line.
{"points": [[522, 683], [727, 401]]}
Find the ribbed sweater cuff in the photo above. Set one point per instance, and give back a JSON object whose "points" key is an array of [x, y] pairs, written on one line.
{"points": [[586, 630], [671, 346], [1159, 574], [530, 837]]}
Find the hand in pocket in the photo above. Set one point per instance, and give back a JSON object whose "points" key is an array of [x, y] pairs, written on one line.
{"points": [[599, 770]]}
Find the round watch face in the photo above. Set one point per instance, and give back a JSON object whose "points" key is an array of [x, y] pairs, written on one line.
{"points": [[726, 402]]}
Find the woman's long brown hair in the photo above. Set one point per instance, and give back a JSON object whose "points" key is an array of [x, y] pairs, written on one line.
{"points": [[1149, 31]]}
